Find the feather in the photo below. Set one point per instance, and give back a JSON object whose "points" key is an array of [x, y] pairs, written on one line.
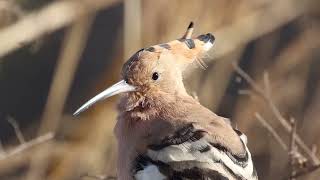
{"points": [[186, 150]]}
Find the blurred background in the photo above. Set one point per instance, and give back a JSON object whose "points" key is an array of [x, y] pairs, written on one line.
{"points": [[56, 54]]}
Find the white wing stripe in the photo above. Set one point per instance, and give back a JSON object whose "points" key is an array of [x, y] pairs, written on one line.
{"points": [[189, 151], [149, 172]]}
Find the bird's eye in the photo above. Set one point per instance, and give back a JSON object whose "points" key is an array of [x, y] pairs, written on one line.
{"points": [[155, 76]]}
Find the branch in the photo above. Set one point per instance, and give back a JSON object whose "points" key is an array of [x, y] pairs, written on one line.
{"points": [[23, 144], [20, 160], [17, 130], [27, 145], [273, 132], [293, 150], [99, 177], [276, 112], [51, 18], [306, 171]]}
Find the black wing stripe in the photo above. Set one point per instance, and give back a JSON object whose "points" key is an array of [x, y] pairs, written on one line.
{"points": [[238, 132], [237, 176], [187, 133], [194, 141], [193, 173], [205, 149], [240, 160]]}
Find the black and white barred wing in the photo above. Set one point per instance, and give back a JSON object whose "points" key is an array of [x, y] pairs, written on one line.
{"points": [[188, 154]]}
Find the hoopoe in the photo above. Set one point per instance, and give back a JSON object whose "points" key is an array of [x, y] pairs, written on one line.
{"points": [[162, 131]]}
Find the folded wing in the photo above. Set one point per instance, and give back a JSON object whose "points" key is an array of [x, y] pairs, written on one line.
{"points": [[189, 153]]}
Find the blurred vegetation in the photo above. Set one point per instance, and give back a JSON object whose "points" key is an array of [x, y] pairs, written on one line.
{"points": [[277, 37]]}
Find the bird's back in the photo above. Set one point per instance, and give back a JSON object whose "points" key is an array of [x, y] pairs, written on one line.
{"points": [[191, 143]]}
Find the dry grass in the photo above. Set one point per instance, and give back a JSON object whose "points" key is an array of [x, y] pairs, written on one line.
{"points": [[278, 37]]}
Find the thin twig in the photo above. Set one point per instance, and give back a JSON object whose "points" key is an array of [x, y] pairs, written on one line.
{"points": [[267, 84], [273, 132], [278, 138], [246, 77], [306, 171], [314, 149], [277, 113], [28, 145], [293, 149], [99, 177], [245, 92], [17, 130], [22, 159], [293, 153]]}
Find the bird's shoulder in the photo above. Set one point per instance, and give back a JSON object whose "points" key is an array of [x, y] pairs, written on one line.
{"points": [[197, 120], [219, 129]]}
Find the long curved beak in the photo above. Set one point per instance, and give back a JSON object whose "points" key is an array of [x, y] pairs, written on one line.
{"points": [[117, 88]]}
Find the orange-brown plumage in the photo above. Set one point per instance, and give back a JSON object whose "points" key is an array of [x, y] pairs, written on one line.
{"points": [[156, 106]]}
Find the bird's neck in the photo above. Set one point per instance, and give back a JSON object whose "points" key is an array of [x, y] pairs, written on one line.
{"points": [[140, 107], [142, 118]]}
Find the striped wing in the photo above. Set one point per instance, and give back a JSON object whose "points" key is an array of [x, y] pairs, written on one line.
{"points": [[188, 154]]}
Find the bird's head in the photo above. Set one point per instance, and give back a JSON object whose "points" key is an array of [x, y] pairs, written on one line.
{"points": [[159, 68]]}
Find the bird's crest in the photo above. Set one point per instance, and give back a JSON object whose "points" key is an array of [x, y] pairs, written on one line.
{"points": [[187, 48]]}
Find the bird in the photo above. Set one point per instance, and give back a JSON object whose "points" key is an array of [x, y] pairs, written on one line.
{"points": [[165, 133]]}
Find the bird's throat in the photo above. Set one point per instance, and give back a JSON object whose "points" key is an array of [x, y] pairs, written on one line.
{"points": [[140, 107]]}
